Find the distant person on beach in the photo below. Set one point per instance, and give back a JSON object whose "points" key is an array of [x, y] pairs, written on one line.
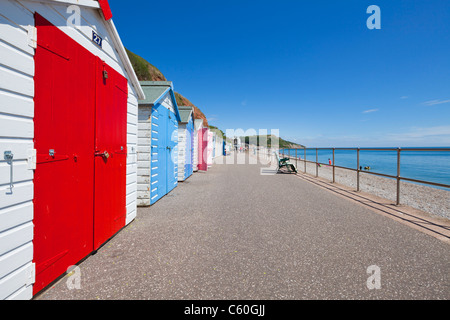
{"points": [[329, 162]]}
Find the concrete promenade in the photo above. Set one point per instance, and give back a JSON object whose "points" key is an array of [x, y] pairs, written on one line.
{"points": [[232, 233]]}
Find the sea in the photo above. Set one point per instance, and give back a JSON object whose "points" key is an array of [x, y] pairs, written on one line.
{"points": [[433, 166]]}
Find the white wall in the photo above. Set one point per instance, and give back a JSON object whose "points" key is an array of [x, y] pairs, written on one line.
{"points": [[16, 135], [17, 130], [218, 145], [144, 154], [210, 148], [166, 101], [198, 125], [181, 150]]}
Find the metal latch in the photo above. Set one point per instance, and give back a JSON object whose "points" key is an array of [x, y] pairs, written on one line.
{"points": [[8, 156], [103, 154]]}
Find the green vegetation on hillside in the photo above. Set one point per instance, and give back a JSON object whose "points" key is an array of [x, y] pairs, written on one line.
{"points": [[267, 141], [214, 128], [144, 70], [198, 114]]}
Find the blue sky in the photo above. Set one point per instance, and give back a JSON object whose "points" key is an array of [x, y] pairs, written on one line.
{"points": [[311, 69]]}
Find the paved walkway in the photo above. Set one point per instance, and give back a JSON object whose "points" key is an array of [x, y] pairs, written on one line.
{"points": [[232, 233]]}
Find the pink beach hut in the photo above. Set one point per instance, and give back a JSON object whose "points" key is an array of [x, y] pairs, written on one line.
{"points": [[210, 147], [203, 149]]}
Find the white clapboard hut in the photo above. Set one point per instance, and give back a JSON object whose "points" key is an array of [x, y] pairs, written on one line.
{"points": [[89, 24], [198, 126]]}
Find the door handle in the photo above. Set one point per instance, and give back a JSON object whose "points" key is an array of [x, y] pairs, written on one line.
{"points": [[103, 154], [8, 156]]}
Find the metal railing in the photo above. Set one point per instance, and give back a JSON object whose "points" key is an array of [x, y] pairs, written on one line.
{"points": [[358, 170]]}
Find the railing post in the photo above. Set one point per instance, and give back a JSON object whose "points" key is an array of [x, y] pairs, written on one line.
{"points": [[357, 169], [334, 179], [296, 159], [317, 164], [398, 176], [304, 159]]}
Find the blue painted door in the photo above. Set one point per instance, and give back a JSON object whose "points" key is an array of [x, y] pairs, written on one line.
{"points": [[192, 147], [164, 153], [158, 180], [172, 154], [188, 167]]}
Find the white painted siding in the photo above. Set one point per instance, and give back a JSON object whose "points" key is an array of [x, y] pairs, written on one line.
{"points": [[195, 152], [210, 148], [181, 150], [198, 125], [132, 132], [17, 129], [144, 154], [166, 101], [218, 144], [16, 135]]}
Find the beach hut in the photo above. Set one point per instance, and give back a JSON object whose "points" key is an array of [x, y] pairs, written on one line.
{"points": [[185, 142], [68, 122], [218, 144], [214, 145], [158, 118], [203, 136], [210, 148], [198, 126]]}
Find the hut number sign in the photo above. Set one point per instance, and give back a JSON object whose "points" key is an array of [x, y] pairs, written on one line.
{"points": [[74, 21], [97, 39]]}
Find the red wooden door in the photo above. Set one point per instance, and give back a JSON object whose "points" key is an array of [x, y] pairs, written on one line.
{"points": [[64, 131], [79, 190], [111, 153]]}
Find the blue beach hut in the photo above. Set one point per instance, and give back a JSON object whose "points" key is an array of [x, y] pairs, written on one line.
{"points": [[158, 118], [185, 142]]}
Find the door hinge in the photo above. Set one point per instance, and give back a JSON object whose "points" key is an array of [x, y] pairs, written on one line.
{"points": [[31, 159], [32, 36]]}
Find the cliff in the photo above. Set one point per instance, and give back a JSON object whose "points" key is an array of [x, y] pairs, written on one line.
{"points": [[145, 71]]}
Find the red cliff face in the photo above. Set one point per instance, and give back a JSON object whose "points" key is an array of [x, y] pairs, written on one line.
{"points": [[145, 71], [198, 114]]}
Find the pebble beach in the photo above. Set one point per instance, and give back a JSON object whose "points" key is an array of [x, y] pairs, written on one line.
{"points": [[431, 200]]}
